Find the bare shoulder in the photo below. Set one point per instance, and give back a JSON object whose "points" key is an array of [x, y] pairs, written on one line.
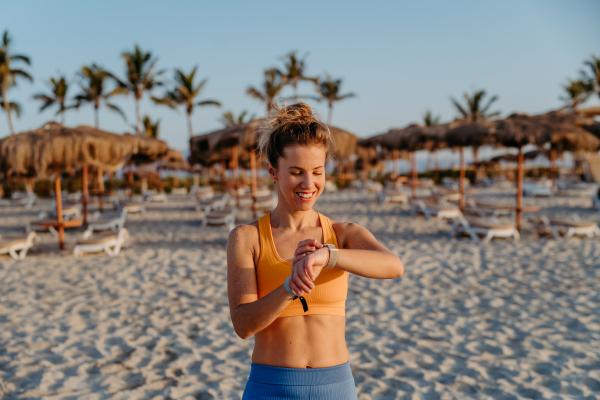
{"points": [[244, 237], [351, 235]]}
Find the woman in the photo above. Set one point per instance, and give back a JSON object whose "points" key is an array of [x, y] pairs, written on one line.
{"points": [[287, 273]]}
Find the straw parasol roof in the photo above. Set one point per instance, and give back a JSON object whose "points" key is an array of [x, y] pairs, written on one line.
{"points": [[589, 111], [174, 160], [56, 147], [460, 133], [412, 138], [216, 146], [149, 149]]}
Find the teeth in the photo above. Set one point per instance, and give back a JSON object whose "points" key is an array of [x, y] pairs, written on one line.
{"points": [[305, 195]]}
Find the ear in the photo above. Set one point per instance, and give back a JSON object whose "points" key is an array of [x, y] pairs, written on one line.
{"points": [[272, 171]]}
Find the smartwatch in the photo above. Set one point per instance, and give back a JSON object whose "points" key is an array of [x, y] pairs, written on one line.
{"points": [[333, 254]]}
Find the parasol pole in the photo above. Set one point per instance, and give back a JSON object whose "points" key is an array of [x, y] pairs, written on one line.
{"points": [[100, 189], [413, 159], [461, 180], [553, 166], [253, 180], [519, 188], [84, 197], [234, 159], [59, 214]]}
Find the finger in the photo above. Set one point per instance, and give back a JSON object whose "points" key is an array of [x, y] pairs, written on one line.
{"points": [[301, 283], [307, 242], [304, 276], [306, 272], [295, 289], [304, 249]]}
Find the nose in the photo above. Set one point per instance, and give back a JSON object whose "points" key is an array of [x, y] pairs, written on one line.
{"points": [[307, 182]]}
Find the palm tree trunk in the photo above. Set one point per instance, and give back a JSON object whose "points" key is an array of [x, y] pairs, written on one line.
{"points": [[7, 109], [96, 115], [137, 116], [330, 114], [190, 129]]}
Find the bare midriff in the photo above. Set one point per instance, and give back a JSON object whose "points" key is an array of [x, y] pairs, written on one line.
{"points": [[311, 341]]}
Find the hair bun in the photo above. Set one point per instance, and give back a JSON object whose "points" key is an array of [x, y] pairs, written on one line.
{"points": [[292, 124]]}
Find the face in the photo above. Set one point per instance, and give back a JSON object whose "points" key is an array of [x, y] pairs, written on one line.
{"points": [[300, 176]]}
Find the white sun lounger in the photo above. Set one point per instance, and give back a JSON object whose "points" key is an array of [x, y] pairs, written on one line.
{"points": [[179, 191], [11, 245], [596, 200], [440, 211], [113, 224], [490, 229], [225, 216], [110, 242], [567, 226], [202, 192], [68, 212], [26, 201], [132, 208], [392, 196], [213, 203]]}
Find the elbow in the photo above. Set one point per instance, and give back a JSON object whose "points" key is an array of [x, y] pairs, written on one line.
{"points": [[398, 269], [242, 333]]}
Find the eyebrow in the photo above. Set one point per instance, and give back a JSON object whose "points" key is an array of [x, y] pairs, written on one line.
{"points": [[320, 166]]}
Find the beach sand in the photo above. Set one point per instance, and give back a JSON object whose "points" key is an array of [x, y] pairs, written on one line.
{"points": [[502, 320]]}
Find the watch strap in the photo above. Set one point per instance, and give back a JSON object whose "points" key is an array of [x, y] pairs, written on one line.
{"points": [[333, 254]]}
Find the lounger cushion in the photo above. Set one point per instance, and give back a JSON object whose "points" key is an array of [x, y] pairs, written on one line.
{"points": [[219, 213], [440, 207], [572, 223], [99, 239], [484, 223], [9, 242]]}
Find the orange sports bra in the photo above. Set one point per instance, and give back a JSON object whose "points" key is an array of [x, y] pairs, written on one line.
{"points": [[331, 286]]}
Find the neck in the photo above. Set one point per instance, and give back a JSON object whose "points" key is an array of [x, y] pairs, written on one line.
{"points": [[296, 220]]}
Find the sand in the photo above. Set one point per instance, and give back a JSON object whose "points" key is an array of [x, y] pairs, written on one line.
{"points": [[502, 320]]}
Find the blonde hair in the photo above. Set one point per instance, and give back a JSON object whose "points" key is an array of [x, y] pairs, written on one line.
{"points": [[289, 125]]}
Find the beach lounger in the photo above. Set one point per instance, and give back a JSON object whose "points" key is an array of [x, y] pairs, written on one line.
{"points": [[535, 190], [488, 210], [114, 224], [439, 210], [392, 196], [68, 212], [490, 229], [26, 201], [566, 226], [153, 197], [11, 245], [224, 216], [443, 194], [596, 201], [213, 203], [132, 208], [179, 191], [110, 242]]}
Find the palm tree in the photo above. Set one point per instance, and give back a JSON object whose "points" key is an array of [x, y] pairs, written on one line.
{"points": [[93, 90], [294, 71], [229, 119], [593, 80], [8, 75], [56, 97], [14, 106], [141, 77], [475, 111], [430, 120], [184, 93], [150, 128], [272, 86], [576, 92], [328, 90]]}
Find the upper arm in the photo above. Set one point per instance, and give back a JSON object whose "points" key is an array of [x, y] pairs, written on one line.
{"points": [[242, 286], [354, 236]]}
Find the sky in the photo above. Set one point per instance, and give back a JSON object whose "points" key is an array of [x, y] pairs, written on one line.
{"points": [[400, 58]]}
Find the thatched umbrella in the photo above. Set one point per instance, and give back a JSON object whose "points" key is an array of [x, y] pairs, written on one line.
{"points": [[463, 134], [54, 149], [410, 139], [557, 128], [150, 150], [174, 161]]}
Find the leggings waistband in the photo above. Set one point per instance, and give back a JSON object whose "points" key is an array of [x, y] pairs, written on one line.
{"points": [[300, 376]]}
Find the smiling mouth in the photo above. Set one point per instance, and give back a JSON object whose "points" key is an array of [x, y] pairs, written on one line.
{"points": [[305, 196]]}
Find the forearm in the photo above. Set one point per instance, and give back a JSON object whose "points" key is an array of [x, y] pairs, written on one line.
{"points": [[370, 263], [253, 317]]}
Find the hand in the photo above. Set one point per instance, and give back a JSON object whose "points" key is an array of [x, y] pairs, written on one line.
{"points": [[300, 285], [306, 267]]}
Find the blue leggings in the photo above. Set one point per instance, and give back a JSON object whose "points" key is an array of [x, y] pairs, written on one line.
{"points": [[275, 383]]}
